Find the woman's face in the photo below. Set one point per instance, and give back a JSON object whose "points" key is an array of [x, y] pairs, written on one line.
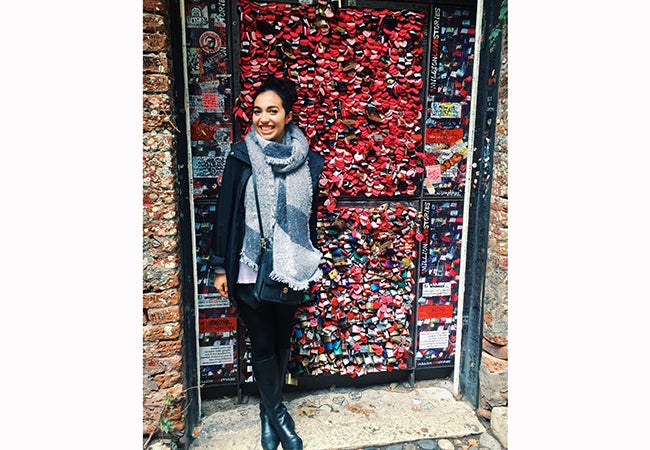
{"points": [[269, 116]]}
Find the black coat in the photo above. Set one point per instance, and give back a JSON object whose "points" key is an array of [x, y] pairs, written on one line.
{"points": [[228, 229]]}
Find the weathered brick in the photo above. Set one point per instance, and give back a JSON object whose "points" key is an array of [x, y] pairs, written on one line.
{"points": [[161, 159], [156, 365], [171, 411], [162, 311], [498, 351], [493, 376], [156, 83], [163, 184], [498, 226], [158, 174], [159, 245], [155, 278], [158, 142], [498, 231], [500, 180], [155, 6], [501, 128], [155, 194], [501, 248], [155, 63], [176, 415], [162, 332], [161, 299], [169, 314], [153, 414], [167, 262], [158, 164], [157, 102], [162, 349], [165, 380], [154, 42], [151, 122], [152, 23], [499, 204], [150, 420], [498, 261], [159, 212], [160, 228], [492, 323], [496, 337], [158, 397]]}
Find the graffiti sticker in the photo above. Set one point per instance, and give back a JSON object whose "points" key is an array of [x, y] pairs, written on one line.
{"points": [[210, 42], [197, 17]]}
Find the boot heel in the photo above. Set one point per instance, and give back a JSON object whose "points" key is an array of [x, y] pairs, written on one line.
{"points": [[269, 438], [266, 373], [285, 427]]}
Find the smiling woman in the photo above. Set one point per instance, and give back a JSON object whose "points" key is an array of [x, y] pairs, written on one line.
{"points": [[272, 176], [272, 108], [270, 116]]}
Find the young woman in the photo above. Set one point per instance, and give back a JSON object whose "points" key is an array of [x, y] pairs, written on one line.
{"points": [[276, 156]]}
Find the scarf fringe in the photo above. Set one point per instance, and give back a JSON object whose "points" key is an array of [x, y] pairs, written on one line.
{"points": [[296, 285], [285, 192], [249, 262]]}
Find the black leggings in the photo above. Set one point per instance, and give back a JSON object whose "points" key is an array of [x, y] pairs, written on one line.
{"points": [[269, 326]]}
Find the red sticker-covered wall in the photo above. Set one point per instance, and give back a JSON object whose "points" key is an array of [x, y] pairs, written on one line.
{"points": [[360, 81], [361, 90]]}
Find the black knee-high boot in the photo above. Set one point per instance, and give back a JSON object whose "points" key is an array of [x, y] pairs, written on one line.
{"points": [[270, 439], [283, 359], [267, 374]]}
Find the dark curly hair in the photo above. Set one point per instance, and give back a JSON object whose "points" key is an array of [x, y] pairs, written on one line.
{"points": [[284, 88]]}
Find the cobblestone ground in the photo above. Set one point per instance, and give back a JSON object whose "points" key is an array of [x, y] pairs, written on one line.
{"points": [[464, 443], [218, 413]]}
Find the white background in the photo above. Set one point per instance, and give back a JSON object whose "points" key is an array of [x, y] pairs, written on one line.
{"points": [[72, 233]]}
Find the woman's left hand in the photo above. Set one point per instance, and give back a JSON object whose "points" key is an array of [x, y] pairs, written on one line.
{"points": [[221, 284]]}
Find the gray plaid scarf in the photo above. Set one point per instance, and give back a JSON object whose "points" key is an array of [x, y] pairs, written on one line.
{"points": [[284, 189]]}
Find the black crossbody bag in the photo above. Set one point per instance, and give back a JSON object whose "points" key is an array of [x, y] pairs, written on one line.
{"points": [[267, 289]]}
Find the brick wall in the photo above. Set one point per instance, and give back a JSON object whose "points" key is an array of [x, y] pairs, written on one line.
{"points": [[493, 373], [162, 294]]}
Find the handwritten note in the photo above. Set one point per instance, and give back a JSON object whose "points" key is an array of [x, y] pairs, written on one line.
{"points": [[434, 174], [210, 101]]}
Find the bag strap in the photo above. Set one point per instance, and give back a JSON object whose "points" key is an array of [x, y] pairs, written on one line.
{"points": [[259, 215]]}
